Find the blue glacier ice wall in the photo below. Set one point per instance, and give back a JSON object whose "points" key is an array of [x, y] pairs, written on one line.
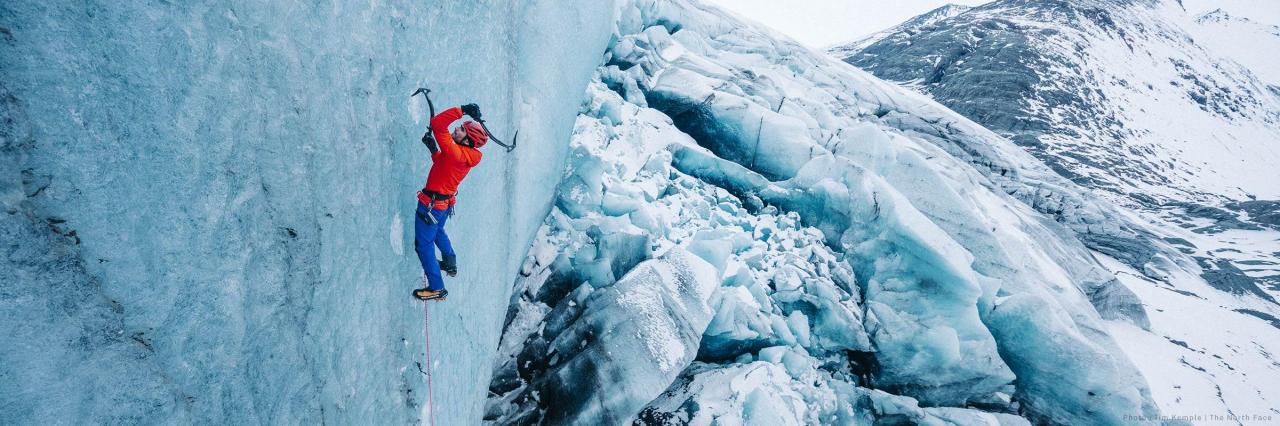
{"points": [[206, 204]]}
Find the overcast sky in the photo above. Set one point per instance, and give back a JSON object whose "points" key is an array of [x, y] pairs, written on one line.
{"points": [[821, 23]]}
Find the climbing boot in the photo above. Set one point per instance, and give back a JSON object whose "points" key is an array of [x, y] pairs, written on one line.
{"points": [[425, 294], [449, 265]]}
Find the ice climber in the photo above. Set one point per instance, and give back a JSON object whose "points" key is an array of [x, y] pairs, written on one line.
{"points": [[452, 156]]}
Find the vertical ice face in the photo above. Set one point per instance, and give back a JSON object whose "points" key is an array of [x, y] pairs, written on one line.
{"points": [[216, 184]]}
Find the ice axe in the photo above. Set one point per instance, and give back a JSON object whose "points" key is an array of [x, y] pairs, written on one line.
{"points": [[426, 93], [495, 138], [420, 90], [429, 138]]}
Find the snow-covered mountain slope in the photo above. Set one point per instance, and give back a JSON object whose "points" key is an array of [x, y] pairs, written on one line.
{"points": [[914, 24], [1121, 97], [1245, 41], [1168, 114], [207, 206], [877, 257], [1262, 11], [1139, 100], [1115, 94]]}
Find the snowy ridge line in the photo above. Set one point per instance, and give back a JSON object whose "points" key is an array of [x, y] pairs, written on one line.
{"points": [[1220, 32], [918, 23]]}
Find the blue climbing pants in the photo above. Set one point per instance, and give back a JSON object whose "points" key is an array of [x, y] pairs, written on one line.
{"points": [[428, 235]]}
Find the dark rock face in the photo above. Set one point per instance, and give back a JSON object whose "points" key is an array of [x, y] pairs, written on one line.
{"points": [[1275, 322], [1225, 276], [1261, 212], [1114, 301]]}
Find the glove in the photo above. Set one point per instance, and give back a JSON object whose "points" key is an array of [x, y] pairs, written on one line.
{"points": [[430, 142], [471, 109]]}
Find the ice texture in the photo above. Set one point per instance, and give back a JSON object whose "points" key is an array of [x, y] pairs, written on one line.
{"points": [[575, 258], [755, 393], [627, 342], [205, 218], [206, 203], [806, 183]]}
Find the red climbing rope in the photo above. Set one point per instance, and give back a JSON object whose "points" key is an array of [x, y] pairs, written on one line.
{"points": [[426, 320]]}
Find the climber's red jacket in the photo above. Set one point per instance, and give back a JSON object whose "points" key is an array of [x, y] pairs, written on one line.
{"points": [[448, 165]]}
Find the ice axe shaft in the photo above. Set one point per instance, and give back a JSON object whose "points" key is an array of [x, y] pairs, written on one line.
{"points": [[426, 93], [496, 140], [429, 138]]}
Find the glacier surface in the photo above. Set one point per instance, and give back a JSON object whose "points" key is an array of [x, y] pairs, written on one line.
{"points": [[865, 253]]}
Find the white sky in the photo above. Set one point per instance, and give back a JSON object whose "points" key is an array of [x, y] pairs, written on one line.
{"points": [[821, 23]]}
